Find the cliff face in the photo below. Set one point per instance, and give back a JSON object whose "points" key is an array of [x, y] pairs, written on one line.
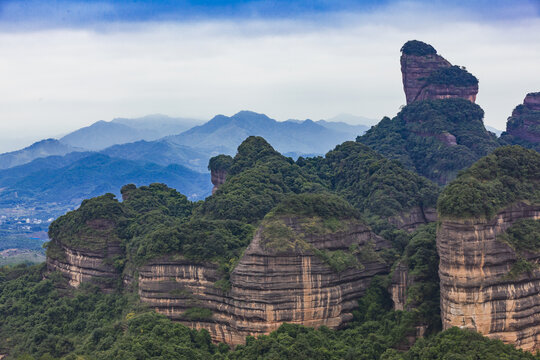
{"points": [[218, 178], [477, 291], [267, 287], [415, 69], [81, 265], [524, 124], [411, 220], [428, 76]]}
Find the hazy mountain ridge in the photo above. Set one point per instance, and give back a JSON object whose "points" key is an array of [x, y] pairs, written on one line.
{"points": [[38, 149], [103, 134], [224, 134]]}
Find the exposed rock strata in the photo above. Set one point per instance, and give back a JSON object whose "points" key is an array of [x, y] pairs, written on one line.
{"points": [[416, 69], [476, 291], [266, 288], [411, 220], [81, 265]]}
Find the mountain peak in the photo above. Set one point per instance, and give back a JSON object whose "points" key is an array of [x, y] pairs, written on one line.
{"points": [[428, 76]]}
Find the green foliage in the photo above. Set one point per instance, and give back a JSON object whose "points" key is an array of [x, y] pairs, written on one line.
{"points": [[258, 180], [415, 137], [91, 226], [462, 345], [197, 239], [523, 235], [453, 75], [370, 182], [507, 175], [521, 266], [220, 162], [196, 314], [422, 261], [323, 205], [418, 48]]}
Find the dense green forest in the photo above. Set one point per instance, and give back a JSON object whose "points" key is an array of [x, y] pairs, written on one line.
{"points": [[427, 148], [43, 318], [507, 175]]}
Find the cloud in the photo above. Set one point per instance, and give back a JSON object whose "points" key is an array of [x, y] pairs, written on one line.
{"points": [[56, 79]]}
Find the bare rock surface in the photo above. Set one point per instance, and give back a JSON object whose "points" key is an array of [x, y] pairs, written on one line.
{"points": [[476, 289]]}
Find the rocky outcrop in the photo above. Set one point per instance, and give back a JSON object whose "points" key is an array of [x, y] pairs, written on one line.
{"points": [[412, 219], [83, 265], [267, 287], [218, 178], [476, 289], [219, 168], [427, 75], [523, 127], [532, 101], [400, 281]]}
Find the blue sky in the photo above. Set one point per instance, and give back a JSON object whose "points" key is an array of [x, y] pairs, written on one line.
{"points": [[58, 13], [67, 64]]}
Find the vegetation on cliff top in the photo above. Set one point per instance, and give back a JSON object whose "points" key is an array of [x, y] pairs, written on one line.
{"points": [[416, 137], [526, 123], [452, 76], [220, 162], [370, 182], [418, 48], [507, 175], [92, 226]]}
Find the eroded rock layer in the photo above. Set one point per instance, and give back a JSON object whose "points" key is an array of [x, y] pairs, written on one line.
{"points": [[267, 288], [412, 219], [477, 291], [82, 265]]}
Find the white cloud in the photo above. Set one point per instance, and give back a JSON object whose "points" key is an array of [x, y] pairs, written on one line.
{"points": [[54, 81]]}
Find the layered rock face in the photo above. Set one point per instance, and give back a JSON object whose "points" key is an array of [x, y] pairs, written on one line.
{"points": [[82, 265], [419, 62], [267, 287], [524, 124], [411, 220], [477, 291]]}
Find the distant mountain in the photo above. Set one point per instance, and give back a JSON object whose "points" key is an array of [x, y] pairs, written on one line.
{"points": [[158, 126], [223, 134], [49, 181], [103, 134], [39, 149], [353, 119], [161, 152], [344, 127], [494, 130]]}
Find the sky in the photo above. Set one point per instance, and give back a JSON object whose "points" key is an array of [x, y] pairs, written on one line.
{"points": [[67, 64]]}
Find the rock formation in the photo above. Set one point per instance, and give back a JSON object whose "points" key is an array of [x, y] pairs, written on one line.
{"points": [[268, 287], [79, 264], [411, 220], [219, 167], [477, 291], [218, 178], [523, 127], [427, 75]]}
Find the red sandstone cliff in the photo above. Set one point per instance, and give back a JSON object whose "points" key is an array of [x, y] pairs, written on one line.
{"points": [[420, 68]]}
